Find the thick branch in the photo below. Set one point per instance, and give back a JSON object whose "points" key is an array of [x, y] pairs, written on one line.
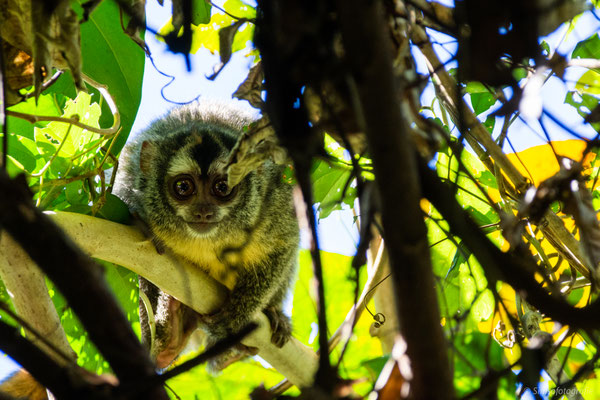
{"points": [[126, 246], [61, 380], [80, 280], [285, 47], [29, 294], [368, 53]]}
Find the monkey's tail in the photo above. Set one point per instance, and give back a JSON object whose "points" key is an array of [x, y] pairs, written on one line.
{"points": [[21, 385]]}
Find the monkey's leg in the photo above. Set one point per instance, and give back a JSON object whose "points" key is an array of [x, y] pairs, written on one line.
{"points": [[173, 331], [231, 355], [174, 323]]}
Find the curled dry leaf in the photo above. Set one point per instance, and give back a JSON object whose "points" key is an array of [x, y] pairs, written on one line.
{"points": [[18, 72], [392, 389], [55, 41], [226, 36], [251, 89], [257, 145], [137, 25], [330, 109]]}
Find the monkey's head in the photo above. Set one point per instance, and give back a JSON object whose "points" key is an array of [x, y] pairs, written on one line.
{"points": [[184, 187]]}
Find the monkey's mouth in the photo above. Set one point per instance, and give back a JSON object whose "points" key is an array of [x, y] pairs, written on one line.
{"points": [[202, 227]]}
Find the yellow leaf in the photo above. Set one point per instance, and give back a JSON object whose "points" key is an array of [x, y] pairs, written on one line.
{"points": [[539, 162], [585, 298]]}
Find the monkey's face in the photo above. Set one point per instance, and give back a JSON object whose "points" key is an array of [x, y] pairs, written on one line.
{"points": [[201, 201], [196, 186]]}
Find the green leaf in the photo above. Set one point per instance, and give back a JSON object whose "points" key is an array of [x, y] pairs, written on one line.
{"points": [[114, 209], [519, 73], [443, 249], [474, 353], [77, 208], [545, 47], [23, 155], [583, 103], [477, 273], [339, 289], [77, 139], [239, 9], [207, 35], [112, 58], [489, 123], [46, 105], [589, 82], [375, 365], [482, 102], [589, 48], [328, 185], [469, 194], [476, 87], [88, 356], [124, 285], [63, 88], [76, 194], [468, 288], [483, 307], [70, 139], [235, 382], [487, 179], [200, 12]]}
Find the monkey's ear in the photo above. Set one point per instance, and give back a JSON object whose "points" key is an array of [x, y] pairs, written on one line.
{"points": [[148, 153]]}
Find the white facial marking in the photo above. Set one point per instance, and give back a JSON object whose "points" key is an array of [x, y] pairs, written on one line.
{"points": [[182, 164]]}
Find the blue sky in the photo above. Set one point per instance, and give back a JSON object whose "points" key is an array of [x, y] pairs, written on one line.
{"points": [[338, 234]]}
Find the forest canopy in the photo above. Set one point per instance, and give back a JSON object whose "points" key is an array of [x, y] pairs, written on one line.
{"points": [[462, 137]]}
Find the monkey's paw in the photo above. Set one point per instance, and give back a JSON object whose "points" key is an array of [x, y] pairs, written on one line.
{"points": [[281, 327]]}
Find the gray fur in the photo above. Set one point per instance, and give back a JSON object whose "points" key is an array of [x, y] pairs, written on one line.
{"points": [[261, 211]]}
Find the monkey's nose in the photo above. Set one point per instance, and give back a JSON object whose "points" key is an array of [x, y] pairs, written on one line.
{"points": [[205, 215]]}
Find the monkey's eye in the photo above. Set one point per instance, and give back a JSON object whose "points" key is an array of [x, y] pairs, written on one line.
{"points": [[221, 188], [184, 187]]}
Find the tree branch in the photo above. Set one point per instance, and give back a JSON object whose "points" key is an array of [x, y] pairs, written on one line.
{"points": [[477, 135], [80, 280], [368, 53], [516, 269], [65, 382], [29, 294], [126, 246]]}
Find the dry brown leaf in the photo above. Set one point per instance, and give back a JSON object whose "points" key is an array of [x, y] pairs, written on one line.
{"points": [[393, 387], [251, 89], [226, 36], [18, 66], [48, 31], [257, 145], [55, 41]]}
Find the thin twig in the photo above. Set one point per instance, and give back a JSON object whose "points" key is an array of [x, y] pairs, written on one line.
{"points": [[3, 109], [344, 331], [32, 118]]}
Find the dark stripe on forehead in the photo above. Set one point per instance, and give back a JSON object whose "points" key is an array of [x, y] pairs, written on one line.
{"points": [[205, 152]]}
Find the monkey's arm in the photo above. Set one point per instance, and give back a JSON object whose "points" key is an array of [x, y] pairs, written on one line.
{"points": [[259, 288]]}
